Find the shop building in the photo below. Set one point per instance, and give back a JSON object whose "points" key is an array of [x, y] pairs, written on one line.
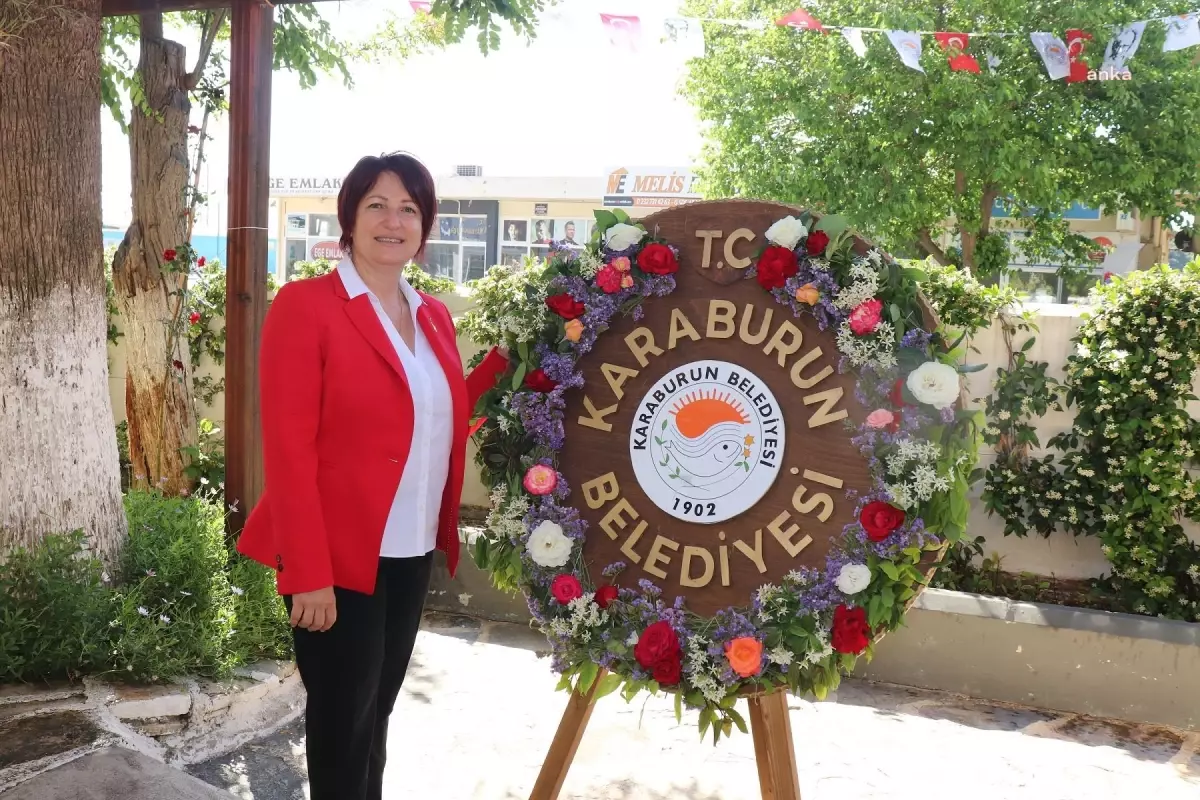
{"points": [[481, 220]]}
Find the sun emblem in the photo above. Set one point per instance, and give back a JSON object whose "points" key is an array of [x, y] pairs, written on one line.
{"points": [[697, 412]]}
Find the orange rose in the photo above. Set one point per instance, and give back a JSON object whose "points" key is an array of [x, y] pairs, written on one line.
{"points": [[745, 656], [808, 294], [574, 329]]}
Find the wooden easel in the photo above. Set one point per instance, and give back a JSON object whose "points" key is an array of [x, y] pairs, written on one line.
{"points": [[769, 725]]}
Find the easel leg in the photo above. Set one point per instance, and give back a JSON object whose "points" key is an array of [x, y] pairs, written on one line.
{"points": [[566, 742], [773, 750]]}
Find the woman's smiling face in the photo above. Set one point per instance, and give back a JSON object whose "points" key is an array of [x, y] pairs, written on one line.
{"points": [[387, 230]]}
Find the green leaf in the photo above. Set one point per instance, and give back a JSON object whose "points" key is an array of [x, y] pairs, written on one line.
{"points": [[966, 368], [737, 720], [890, 569], [587, 676], [679, 706], [608, 684], [621, 216], [833, 224], [605, 220], [523, 350], [519, 376]]}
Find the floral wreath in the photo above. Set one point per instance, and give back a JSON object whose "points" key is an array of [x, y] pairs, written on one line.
{"points": [[807, 632]]}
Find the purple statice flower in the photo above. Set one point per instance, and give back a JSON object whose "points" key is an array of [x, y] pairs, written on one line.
{"points": [[559, 367], [541, 416], [571, 284], [916, 339], [639, 312], [947, 414], [614, 569]]}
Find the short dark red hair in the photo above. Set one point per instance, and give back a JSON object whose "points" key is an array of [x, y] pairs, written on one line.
{"points": [[411, 172]]}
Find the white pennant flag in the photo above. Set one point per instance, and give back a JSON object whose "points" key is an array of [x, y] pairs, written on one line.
{"points": [[1053, 53], [908, 45], [855, 40], [1182, 32], [684, 34], [1123, 46]]}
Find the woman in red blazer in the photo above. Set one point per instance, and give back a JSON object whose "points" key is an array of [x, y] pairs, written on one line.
{"points": [[365, 415]]}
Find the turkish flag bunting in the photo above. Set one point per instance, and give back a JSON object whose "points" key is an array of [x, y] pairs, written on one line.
{"points": [[955, 45], [1076, 40], [801, 19]]}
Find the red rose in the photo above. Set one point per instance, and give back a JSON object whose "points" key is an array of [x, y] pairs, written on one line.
{"points": [[200, 261], [851, 634], [566, 588], [605, 595], [817, 242], [539, 382], [657, 643], [880, 519], [896, 396], [775, 266], [177, 364], [657, 259], [668, 671], [565, 306], [194, 317], [168, 255]]}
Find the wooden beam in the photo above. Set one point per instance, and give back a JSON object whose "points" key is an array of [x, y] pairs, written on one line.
{"points": [[251, 38], [116, 8]]}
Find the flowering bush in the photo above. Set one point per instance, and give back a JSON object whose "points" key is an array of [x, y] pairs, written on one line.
{"points": [[1121, 472], [802, 634], [180, 603]]}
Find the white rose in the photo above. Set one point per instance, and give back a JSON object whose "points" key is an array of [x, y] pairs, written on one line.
{"points": [[548, 546], [787, 232], [622, 236], [934, 384], [853, 578]]}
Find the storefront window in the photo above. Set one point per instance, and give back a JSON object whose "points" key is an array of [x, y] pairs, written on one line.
{"points": [[325, 225], [1034, 286], [451, 252], [297, 249]]}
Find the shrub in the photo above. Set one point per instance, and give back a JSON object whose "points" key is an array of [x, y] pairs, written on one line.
{"points": [[54, 611], [262, 621], [175, 608]]}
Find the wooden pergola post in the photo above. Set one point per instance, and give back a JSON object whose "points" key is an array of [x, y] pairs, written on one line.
{"points": [[251, 35]]}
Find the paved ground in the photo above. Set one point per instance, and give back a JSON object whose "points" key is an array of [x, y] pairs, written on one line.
{"points": [[479, 710]]}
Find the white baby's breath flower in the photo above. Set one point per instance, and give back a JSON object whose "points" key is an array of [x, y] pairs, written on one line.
{"points": [[143, 611], [238, 591]]}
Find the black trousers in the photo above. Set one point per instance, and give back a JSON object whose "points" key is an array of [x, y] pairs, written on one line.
{"points": [[353, 673]]}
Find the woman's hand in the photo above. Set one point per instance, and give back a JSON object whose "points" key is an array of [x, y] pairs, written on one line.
{"points": [[314, 611]]}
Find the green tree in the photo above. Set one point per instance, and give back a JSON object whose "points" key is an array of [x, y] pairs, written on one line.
{"points": [[797, 116], [150, 270]]}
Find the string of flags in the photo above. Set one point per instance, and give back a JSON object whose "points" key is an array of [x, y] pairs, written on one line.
{"points": [[1062, 56]]}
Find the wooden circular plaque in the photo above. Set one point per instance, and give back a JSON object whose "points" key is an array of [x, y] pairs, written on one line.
{"points": [[710, 446]]}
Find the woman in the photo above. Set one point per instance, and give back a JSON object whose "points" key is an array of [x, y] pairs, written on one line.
{"points": [[365, 416]]}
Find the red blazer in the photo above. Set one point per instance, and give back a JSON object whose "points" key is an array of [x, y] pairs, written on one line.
{"points": [[337, 422]]}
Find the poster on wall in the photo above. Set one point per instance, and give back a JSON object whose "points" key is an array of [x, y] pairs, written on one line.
{"points": [[515, 230]]}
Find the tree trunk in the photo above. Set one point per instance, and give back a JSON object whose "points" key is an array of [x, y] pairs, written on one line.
{"points": [[58, 449], [158, 381]]}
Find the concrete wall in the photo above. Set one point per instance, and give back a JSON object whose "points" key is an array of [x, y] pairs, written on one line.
{"points": [[1061, 555]]}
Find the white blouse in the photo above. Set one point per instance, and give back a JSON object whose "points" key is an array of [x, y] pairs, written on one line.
{"points": [[411, 528]]}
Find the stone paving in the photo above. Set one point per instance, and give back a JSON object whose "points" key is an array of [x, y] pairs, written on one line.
{"points": [[479, 710]]}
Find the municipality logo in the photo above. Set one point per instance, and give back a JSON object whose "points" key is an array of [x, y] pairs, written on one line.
{"points": [[706, 442]]}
